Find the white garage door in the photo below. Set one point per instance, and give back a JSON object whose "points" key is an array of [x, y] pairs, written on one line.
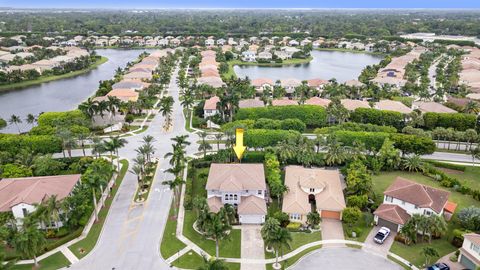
{"points": [[252, 219]]}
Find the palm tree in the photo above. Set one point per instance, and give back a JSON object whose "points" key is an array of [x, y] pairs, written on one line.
{"points": [[181, 140], [137, 169], [335, 152], [429, 252], [53, 208], [89, 108], [113, 104], [437, 226], [68, 141], [413, 163], [218, 138], [14, 119], [217, 229], [475, 154], [31, 119], [113, 145], [471, 107], [204, 145], [98, 146], [174, 185], [29, 240], [275, 236], [166, 108], [102, 106], [212, 264]]}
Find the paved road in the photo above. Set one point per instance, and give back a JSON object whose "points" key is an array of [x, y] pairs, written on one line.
{"points": [[344, 258], [132, 233]]}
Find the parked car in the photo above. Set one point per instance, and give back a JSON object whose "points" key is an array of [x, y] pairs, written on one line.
{"points": [[381, 235], [439, 266]]}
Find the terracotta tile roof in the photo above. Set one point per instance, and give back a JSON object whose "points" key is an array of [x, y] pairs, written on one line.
{"points": [[392, 213], [298, 179], [432, 107], [352, 104], [473, 237], [417, 194], [124, 93], [250, 103], [236, 177], [284, 102], [138, 75], [318, 101], [316, 82], [252, 205], [214, 204], [211, 103], [210, 73], [392, 105], [290, 82], [262, 81], [32, 190], [354, 83], [213, 81], [208, 53], [450, 207]]}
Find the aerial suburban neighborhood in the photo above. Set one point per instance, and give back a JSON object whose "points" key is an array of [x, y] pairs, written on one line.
{"points": [[252, 138]]}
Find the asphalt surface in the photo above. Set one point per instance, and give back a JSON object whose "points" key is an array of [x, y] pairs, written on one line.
{"points": [[132, 233], [343, 258]]}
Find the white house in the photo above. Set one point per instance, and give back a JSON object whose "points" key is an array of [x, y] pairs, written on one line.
{"points": [[221, 42], [249, 56], [20, 195], [265, 56], [403, 198], [210, 107], [470, 251], [241, 185], [293, 43], [209, 42]]}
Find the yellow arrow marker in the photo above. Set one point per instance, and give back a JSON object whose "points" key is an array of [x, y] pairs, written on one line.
{"points": [[239, 148]]}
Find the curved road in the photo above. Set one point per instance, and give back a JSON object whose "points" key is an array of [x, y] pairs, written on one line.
{"points": [[343, 258], [132, 233]]}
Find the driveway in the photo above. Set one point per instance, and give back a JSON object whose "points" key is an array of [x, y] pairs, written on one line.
{"points": [[252, 246], [453, 265], [371, 246], [344, 258], [332, 229]]}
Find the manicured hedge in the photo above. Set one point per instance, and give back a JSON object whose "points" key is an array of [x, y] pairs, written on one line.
{"points": [[352, 126], [408, 144], [260, 138], [372, 140], [378, 117], [37, 143], [446, 165], [312, 116], [266, 123], [68, 118], [458, 121]]}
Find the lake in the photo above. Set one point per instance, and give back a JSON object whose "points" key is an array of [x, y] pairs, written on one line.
{"points": [[61, 95], [325, 65]]}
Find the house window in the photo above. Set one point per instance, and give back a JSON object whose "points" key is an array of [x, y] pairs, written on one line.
{"points": [[295, 216], [475, 248], [388, 199], [416, 207], [426, 212], [312, 190], [230, 197], [235, 197], [259, 192], [226, 197], [25, 212]]}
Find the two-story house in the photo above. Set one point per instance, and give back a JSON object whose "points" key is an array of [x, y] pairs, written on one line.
{"points": [[470, 251], [22, 195], [241, 185], [403, 198], [210, 107]]}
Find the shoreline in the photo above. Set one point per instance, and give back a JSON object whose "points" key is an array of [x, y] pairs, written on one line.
{"points": [[25, 84], [348, 50], [288, 62]]}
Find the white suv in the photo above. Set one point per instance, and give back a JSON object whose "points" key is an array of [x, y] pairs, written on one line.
{"points": [[381, 235]]}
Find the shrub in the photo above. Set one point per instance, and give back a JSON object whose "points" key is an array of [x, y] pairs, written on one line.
{"points": [[378, 117], [294, 226], [3, 123], [15, 170], [68, 118], [445, 165], [372, 140], [12, 143], [458, 121], [260, 138], [265, 123], [352, 126], [412, 144], [351, 215], [246, 124], [312, 116], [470, 218], [293, 124], [64, 240]]}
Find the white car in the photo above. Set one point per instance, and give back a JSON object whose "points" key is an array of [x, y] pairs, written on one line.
{"points": [[381, 235]]}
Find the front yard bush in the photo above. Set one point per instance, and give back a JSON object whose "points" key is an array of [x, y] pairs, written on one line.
{"points": [[458, 121], [312, 116], [378, 117]]}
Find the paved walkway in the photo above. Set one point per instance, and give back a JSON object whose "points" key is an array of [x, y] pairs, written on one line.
{"points": [[252, 246], [381, 249], [332, 229]]}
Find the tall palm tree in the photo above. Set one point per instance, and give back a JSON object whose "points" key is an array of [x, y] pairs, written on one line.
{"points": [[217, 229], [166, 108], [174, 185], [113, 145], [53, 209], [113, 104], [275, 236], [68, 141], [98, 146], [204, 145], [181, 140], [218, 138], [31, 119], [29, 240], [212, 264], [15, 120], [88, 107], [475, 154], [335, 152], [472, 107]]}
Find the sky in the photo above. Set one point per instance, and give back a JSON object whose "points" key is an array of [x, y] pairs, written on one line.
{"points": [[144, 4]]}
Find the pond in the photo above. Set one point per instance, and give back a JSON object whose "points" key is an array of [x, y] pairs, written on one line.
{"points": [[325, 65], [61, 95]]}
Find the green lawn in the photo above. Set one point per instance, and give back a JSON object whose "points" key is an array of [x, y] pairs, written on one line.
{"points": [[413, 253], [398, 262], [384, 179], [228, 248], [55, 261], [298, 239], [471, 177], [364, 224], [188, 116], [192, 260], [44, 79], [295, 258], [89, 242], [170, 243]]}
